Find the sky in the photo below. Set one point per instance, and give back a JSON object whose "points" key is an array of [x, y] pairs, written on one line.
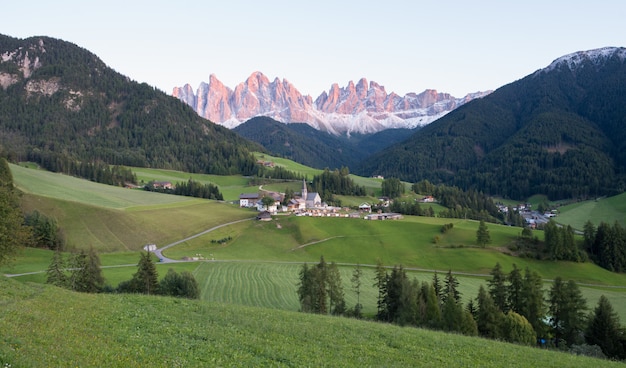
{"points": [[454, 46]]}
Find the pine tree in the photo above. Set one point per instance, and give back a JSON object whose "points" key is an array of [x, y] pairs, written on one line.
{"points": [[533, 306], [514, 290], [429, 310], [86, 274], [335, 290], [357, 274], [146, 279], [567, 307], [320, 289], [605, 331], [451, 288], [437, 286], [452, 315], [489, 317], [497, 288], [55, 275], [482, 234], [381, 277], [305, 289]]}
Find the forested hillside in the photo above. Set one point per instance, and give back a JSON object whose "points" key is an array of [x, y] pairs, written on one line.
{"points": [[304, 144], [557, 132], [59, 104]]}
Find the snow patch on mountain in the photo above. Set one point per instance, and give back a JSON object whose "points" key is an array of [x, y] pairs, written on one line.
{"points": [[596, 56]]}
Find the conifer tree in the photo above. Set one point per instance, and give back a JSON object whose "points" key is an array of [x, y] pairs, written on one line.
{"points": [[567, 307], [86, 274], [381, 285], [489, 317], [452, 315], [514, 290], [451, 285], [482, 234], [146, 279], [533, 306], [437, 286], [429, 307], [605, 331], [335, 290], [357, 274], [497, 288], [55, 275]]}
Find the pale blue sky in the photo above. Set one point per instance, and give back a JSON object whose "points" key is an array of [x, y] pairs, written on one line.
{"points": [[407, 46]]}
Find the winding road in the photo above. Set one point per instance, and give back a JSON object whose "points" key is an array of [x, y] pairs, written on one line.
{"points": [[163, 259]]}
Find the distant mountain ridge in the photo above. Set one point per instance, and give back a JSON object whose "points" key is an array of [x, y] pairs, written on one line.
{"points": [[357, 108], [558, 131]]}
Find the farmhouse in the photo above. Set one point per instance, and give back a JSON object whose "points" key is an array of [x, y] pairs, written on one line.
{"points": [[365, 207], [150, 247], [264, 216], [162, 185], [248, 199], [383, 216]]}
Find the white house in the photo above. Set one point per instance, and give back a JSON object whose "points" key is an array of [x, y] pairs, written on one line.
{"points": [[248, 199]]}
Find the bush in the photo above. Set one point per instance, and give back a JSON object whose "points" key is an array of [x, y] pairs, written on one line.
{"points": [[182, 285]]}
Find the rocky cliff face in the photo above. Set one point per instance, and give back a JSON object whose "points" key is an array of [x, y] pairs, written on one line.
{"points": [[357, 108]]}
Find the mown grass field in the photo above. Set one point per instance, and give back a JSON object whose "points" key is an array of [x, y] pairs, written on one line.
{"points": [[606, 210], [38, 330]]}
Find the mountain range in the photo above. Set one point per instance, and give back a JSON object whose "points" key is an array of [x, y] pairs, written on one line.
{"points": [[363, 107], [559, 131]]}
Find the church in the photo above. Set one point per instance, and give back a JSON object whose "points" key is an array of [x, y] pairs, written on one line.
{"points": [[312, 200]]}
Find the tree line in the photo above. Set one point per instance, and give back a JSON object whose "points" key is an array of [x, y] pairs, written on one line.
{"points": [[96, 171], [514, 307], [336, 182], [606, 245], [82, 272], [191, 188]]}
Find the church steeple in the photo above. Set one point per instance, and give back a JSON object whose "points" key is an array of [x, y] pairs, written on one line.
{"points": [[304, 190]]}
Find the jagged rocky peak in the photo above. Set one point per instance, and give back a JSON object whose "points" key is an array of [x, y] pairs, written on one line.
{"points": [[361, 108]]}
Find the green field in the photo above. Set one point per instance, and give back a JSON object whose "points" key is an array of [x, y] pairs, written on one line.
{"points": [[43, 326], [259, 265], [608, 210]]}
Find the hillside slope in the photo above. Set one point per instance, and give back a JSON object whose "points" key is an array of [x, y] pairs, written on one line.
{"points": [[60, 103], [558, 131], [140, 331], [308, 146]]}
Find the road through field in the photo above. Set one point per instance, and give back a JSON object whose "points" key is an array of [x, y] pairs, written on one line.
{"points": [[163, 259]]}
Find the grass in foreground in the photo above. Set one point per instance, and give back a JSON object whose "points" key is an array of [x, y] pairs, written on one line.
{"points": [[38, 330]]}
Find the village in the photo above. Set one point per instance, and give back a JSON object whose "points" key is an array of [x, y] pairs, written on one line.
{"points": [[308, 204]]}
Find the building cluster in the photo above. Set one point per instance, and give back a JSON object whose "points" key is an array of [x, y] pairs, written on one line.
{"points": [[306, 204]]}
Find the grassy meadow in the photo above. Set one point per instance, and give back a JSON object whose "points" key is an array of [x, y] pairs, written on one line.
{"points": [[36, 330], [599, 210], [259, 265]]}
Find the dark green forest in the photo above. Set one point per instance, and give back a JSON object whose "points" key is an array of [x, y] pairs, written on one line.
{"points": [[71, 107], [306, 145], [557, 132]]}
